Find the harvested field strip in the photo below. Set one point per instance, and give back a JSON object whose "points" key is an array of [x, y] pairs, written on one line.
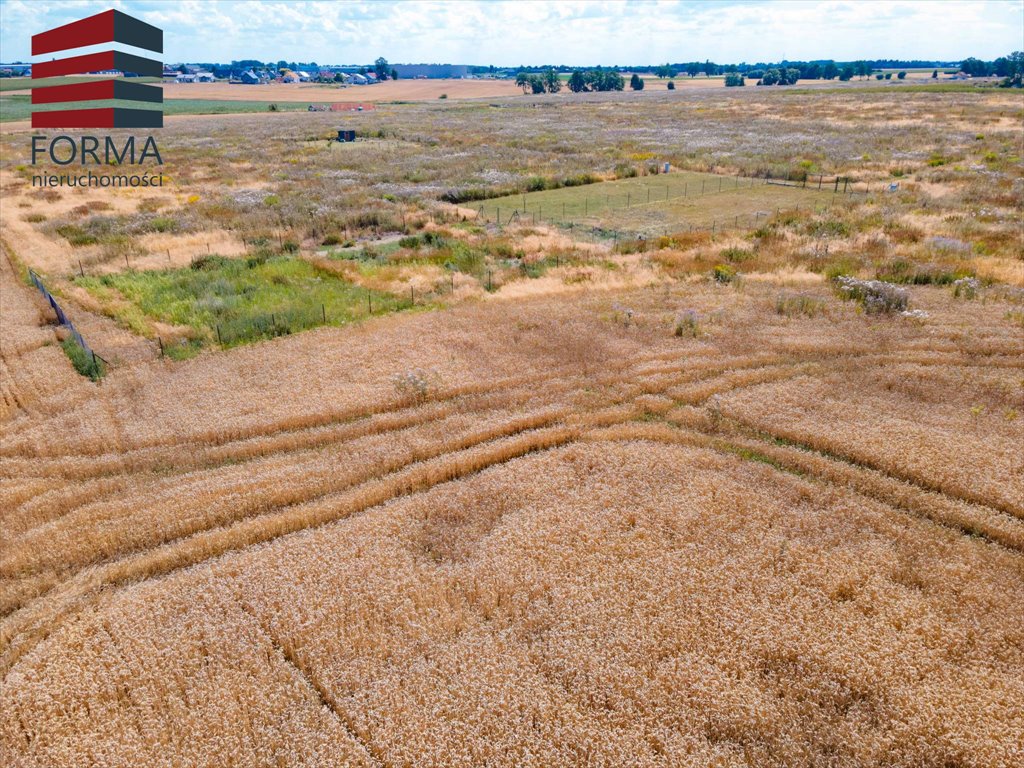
{"points": [[85, 541], [592, 420], [861, 459], [962, 517], [22, 630], [87, 532], [164, 453], [39, 511]]}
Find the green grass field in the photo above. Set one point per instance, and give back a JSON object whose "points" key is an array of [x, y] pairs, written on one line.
{"points": [[19, 107], [654, 205], [246, 299]]}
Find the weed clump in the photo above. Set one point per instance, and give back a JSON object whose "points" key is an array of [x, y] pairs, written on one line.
{"points": [[966, 288], [875, 296], [798, 304], [416, 384], [687, 323], [84, 362], [723, 273]]}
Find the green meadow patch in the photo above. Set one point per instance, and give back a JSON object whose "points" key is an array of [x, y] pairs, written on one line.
{"points": [[236, 301]]}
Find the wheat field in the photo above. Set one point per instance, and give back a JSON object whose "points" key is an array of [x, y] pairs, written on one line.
{"points": [[671, 503]]}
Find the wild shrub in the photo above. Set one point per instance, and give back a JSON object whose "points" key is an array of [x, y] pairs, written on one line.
{"points": [[416, 384], [687, 323], [736, 255], [792, 305], [875, 296], [723, 273], [966, 288]]}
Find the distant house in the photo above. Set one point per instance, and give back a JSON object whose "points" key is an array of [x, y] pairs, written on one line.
{"points": [[358, 79], [290, 77], [170, 73], [249, 78], [205, 77], [303, 76], [371, 77], [185, 78]]}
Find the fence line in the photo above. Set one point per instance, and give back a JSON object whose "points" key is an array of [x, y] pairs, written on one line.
{"points": [[835, 184], [63, 319]]}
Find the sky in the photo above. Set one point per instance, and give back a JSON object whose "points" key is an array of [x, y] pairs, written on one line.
{"points": [[571, 32]]}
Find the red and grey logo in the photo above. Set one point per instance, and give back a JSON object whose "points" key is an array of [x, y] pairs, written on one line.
{"points": [[107, 27]]}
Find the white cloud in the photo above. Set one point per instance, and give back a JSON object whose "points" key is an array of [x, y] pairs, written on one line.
{"points": [[573, 32]]}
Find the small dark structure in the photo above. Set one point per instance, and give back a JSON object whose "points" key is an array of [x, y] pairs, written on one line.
{"points": [[346, 135]]}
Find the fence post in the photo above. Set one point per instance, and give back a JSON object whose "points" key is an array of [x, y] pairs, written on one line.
{"points": [[369, 301], [323, 310], [81, 271], [453, 282], [412, 295], [219, 339], [628, 199], [820, 177], [488, 279], [846, 180], [129, 266]]}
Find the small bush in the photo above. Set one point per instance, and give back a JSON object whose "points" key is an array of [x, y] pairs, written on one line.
{"points": [[687, 323], [272, 108], [35, 218], [331, 240], [737, 255], [443, 96], [966, 288], [416, 384], [723, 273], [671, 85], [875, 296], [798, 304]]}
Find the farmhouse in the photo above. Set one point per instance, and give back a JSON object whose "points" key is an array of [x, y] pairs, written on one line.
{"points": [[249, 78]]}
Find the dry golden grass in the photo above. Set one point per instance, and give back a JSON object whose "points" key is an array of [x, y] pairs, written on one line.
{"points": [[587, 543], [617, 514]]}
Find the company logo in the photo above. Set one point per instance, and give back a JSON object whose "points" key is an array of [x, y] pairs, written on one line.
{"points": [[107, 27]]}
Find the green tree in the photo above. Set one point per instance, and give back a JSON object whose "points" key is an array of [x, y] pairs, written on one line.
{"points": [[1014, 69], [901, 75], [935, 74], [577, 83], [394, 73], [381, 68], [552, 82], [671, 85], [733, 80], [830, 71], [636, 82]]}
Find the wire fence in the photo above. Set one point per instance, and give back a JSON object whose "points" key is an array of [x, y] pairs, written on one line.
{"points": [[65, 321], [569, 213]]}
